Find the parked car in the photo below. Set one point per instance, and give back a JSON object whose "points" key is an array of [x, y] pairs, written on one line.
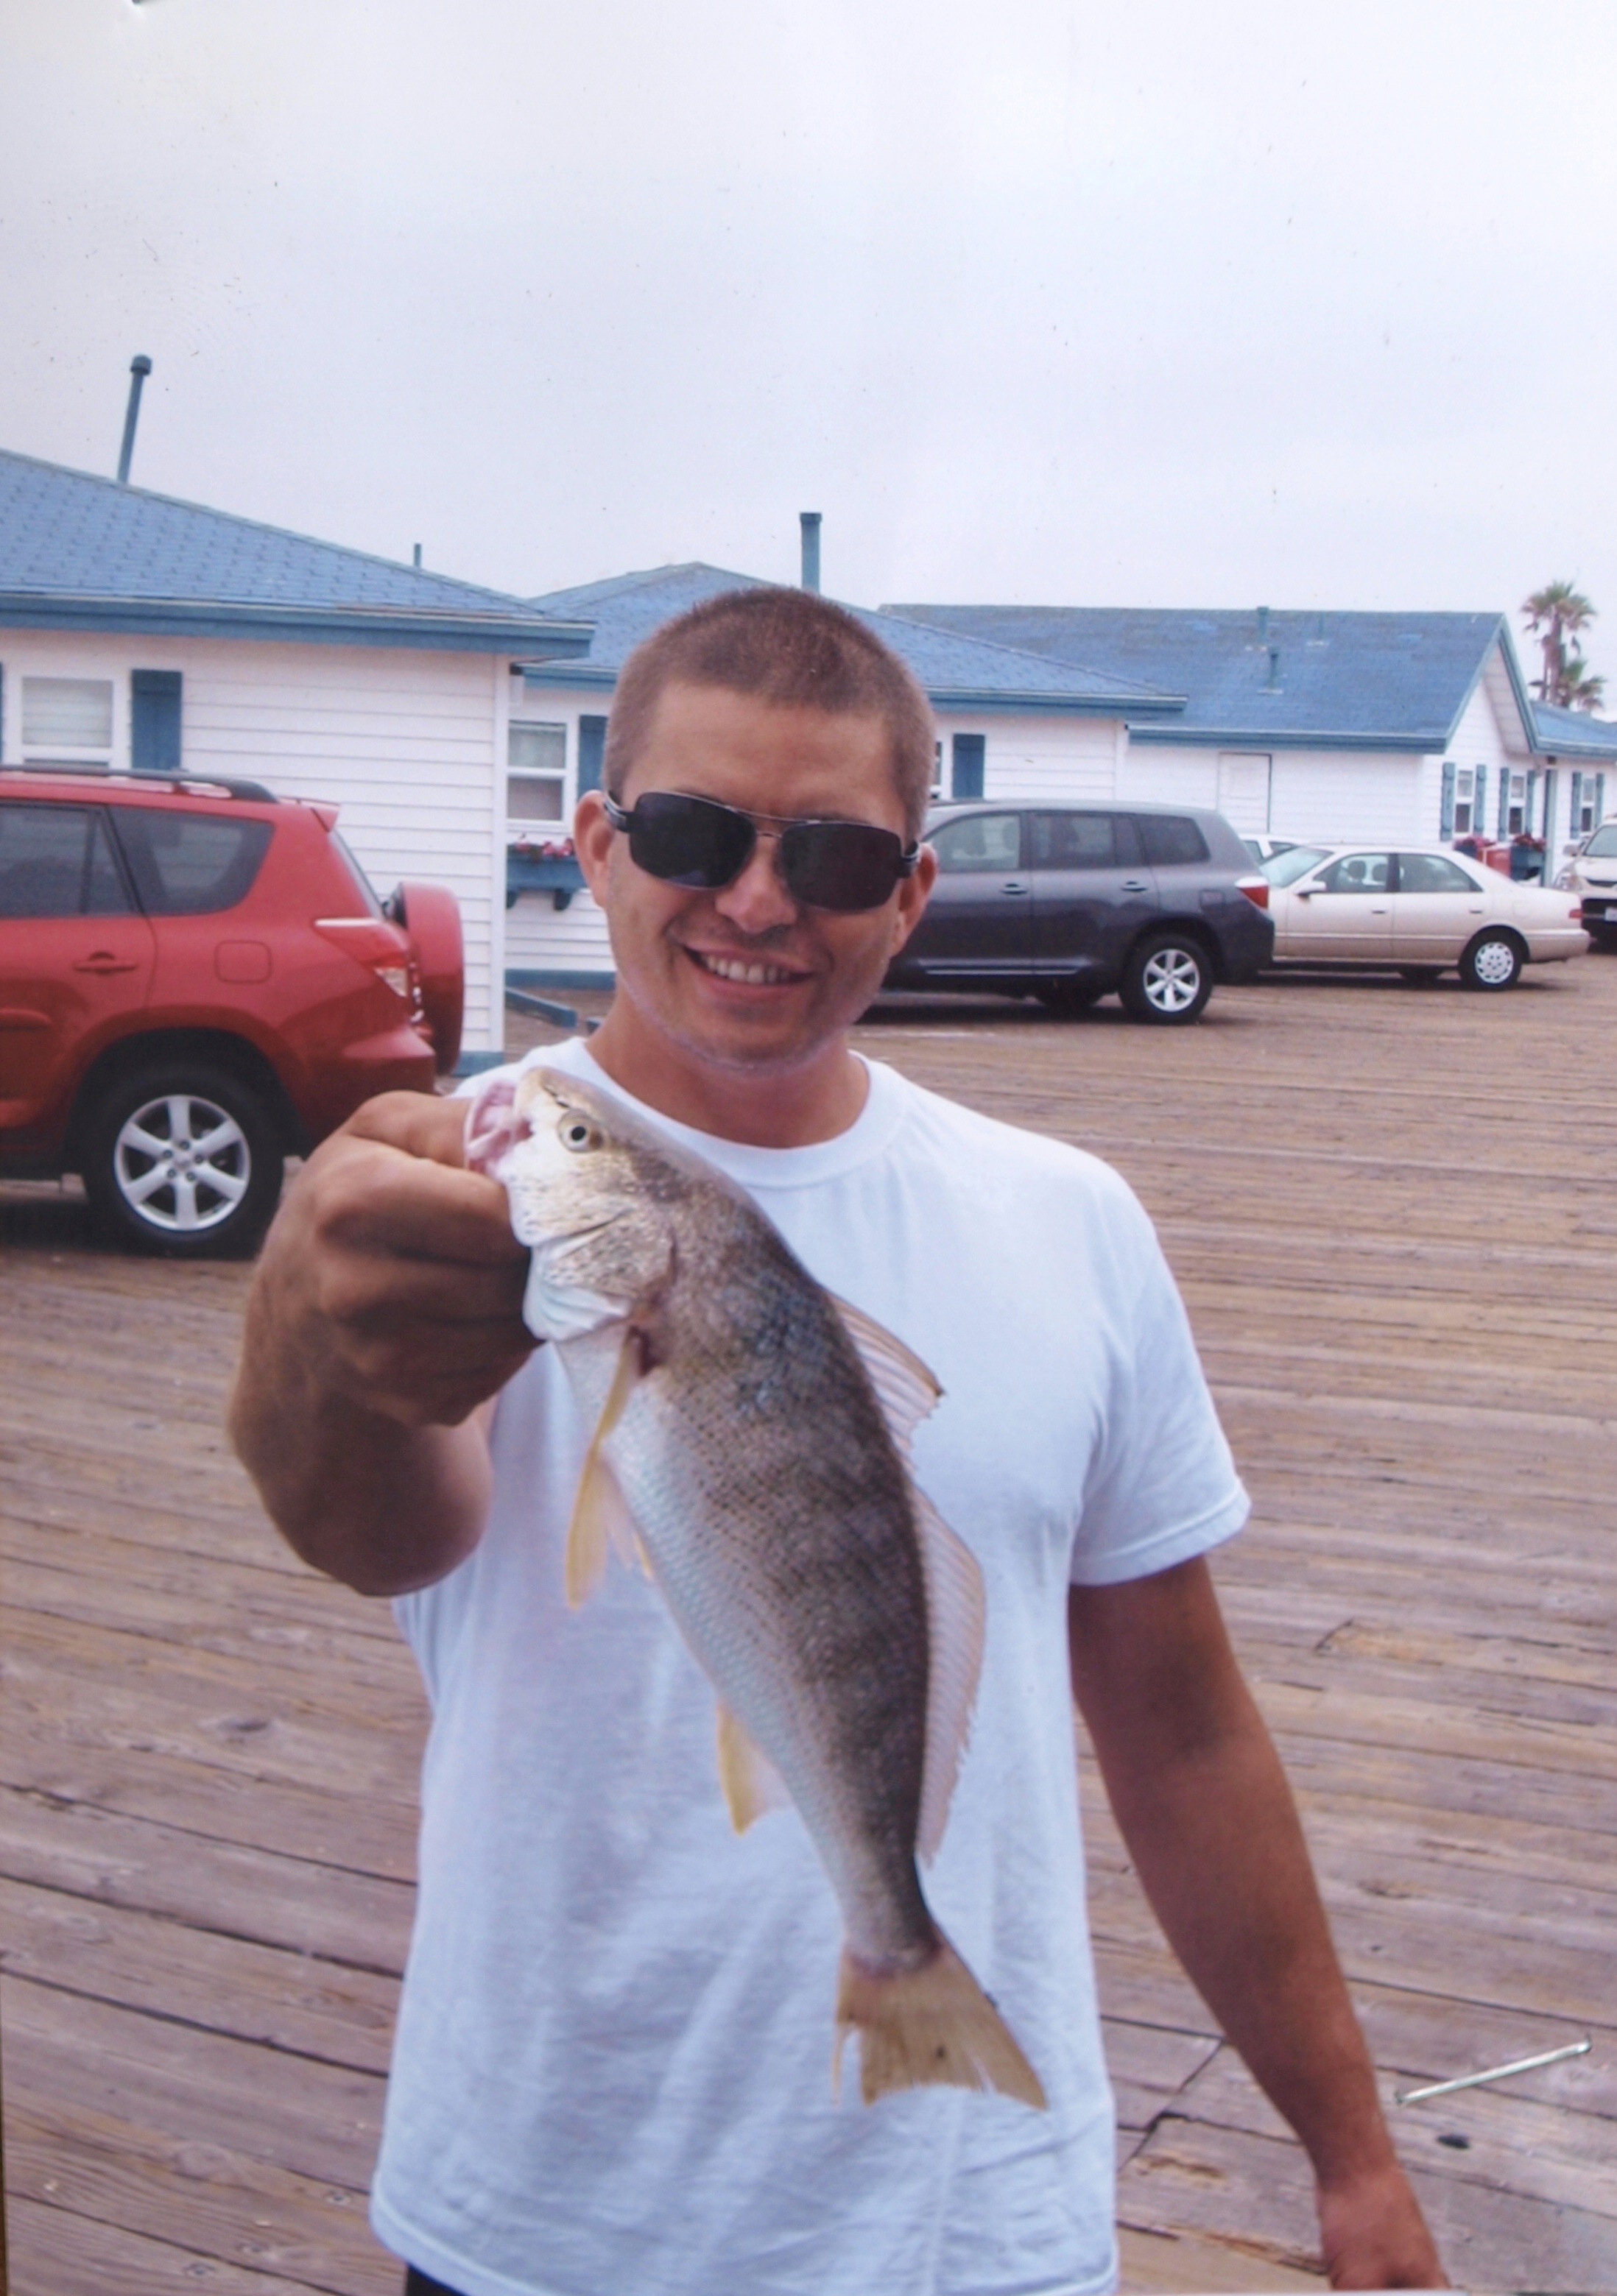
{"points": [[1592, 872], [1067, 902], [196, 982], [1418, 910], [1264, 848]]}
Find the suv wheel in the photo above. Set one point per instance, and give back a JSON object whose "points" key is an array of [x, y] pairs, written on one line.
{"points": [[183, 1159], [1167, 981], [1493, 961]]}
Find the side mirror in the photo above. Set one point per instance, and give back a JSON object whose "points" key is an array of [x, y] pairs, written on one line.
{"points": [[1306, 892], [1572, 849]]}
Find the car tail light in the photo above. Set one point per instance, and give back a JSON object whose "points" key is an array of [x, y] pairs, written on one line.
{"points": [[378, 946], [1256, 890], [1575, 914]]}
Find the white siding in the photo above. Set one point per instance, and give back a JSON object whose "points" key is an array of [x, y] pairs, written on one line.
{"points": [[410, 745], [1030, 756], [541, 939], [1152, 775]]}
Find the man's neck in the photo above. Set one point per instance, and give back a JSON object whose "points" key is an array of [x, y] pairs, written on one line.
{"points": [[758, 1108]]}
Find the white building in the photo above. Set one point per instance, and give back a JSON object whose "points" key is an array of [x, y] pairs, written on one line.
{"points": [[151, 636], [1327, 726]]}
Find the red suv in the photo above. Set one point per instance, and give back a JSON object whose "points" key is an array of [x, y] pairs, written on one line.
{"points": [[197, 981]]}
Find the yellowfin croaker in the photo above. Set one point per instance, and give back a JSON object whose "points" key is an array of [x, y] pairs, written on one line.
{"points": [[751, 1443]]}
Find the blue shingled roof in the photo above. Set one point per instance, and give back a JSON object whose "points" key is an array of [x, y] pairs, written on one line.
{"points": [[955, 670], [77, 550], [1574, 734], [1350, 680]]}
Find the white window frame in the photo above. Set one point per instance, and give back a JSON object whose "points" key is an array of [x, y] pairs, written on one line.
{"points": [[66, 753], [1464, 800], [1515, 805], [525, 828]]}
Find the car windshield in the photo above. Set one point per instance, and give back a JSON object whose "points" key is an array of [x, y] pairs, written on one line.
{"points": [[1296, 861], [1603, 844]]}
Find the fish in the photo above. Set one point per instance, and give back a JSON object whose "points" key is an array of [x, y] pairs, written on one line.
{"points": [[750, 1449]]}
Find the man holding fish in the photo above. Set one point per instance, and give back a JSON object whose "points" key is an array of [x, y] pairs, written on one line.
{"points": [[762, 1452]]}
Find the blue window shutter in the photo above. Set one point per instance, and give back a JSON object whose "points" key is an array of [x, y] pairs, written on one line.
{"points": [[592, 752], [1531, 800], [1445, 820], [154, 720], [1479, 802], [1575, 804], [1504, 800], [968, 759]]}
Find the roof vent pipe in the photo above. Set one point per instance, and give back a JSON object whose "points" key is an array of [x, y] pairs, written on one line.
{"points": [[1272, 683], [1263, 624], [140, 367], [810, 520], [415, 560]]}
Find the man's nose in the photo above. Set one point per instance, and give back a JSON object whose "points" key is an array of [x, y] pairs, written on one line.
{"points": [[758, 900]]}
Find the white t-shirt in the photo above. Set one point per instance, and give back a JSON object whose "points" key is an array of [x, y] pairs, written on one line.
{"points": [[613, 2070]]}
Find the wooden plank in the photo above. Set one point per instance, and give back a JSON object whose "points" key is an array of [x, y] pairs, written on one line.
{"points": [[58, 2252]]}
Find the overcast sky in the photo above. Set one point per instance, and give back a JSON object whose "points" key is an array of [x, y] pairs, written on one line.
{"points": [[1052, 299]]}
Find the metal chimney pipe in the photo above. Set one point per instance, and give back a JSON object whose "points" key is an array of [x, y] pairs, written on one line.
{"points": [[1263, 624], [810, 520], [416, 560], [140, 367], [1272, 683]]}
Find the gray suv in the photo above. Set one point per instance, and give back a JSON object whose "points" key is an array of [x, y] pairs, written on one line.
{"points": [[1067, 902]]}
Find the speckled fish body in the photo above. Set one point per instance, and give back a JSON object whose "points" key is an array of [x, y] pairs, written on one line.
{"points": [[751, 1440]]}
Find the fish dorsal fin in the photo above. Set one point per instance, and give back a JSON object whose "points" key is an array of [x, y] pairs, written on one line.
{"points": [[752, 1783], [956, 1610], [601, 1518], [904, 1388]]}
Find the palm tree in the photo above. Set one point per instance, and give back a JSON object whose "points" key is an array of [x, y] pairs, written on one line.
{"points": [[1580, 690], [1555, 614]]}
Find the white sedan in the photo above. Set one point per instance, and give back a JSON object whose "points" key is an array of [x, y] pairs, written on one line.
{"points": [[1415, 910]]}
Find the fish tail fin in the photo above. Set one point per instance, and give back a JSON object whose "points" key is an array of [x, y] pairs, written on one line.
{"points": [[935, 2024]]}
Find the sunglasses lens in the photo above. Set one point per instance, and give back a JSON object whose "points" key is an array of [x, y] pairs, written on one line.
{"points": [[841, 864], [685, 840]]}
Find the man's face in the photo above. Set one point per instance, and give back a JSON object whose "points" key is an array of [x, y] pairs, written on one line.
{"points": [[747, 977]]}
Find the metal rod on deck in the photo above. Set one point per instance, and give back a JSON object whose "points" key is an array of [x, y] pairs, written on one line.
{"points": [[1495, 2072]]}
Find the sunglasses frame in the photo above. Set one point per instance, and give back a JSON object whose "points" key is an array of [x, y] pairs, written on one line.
{"points": [[623, 821]]}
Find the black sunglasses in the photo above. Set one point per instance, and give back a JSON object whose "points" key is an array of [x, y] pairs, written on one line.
{"points": [[826, 865]]}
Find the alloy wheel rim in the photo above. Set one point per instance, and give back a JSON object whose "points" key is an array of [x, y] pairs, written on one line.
{"points": [[182, 1163], [1172, 979], [1495, 963]]}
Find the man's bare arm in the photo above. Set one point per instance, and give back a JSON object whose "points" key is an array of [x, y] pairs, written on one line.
{"points": [[385, 1311], [1208, 1818]]}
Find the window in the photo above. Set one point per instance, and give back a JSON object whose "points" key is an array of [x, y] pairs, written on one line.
{"points": [[536, 784], [67, 721], [936, 788], [57, 861], [1515, 805], [1464, 800], [1171, 841], [982, 840], [1295, 861], [190, 865], [1602, 844], [1082, 841], [968, 764], [1357, 872], [1429, 872]]}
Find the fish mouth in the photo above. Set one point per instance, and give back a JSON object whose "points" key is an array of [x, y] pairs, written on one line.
{"points": [[730, 964]]}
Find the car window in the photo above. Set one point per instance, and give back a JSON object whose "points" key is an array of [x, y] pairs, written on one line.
{"points": [[1357, 872], [1171, 838], [57, 861], [1603, 844], [1430, 873], [1082, 841], [980, 840], [1296, 861], [362, 884], [187, 865]]}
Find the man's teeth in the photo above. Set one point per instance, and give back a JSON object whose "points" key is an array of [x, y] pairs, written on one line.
{"points": [[756, 974]]}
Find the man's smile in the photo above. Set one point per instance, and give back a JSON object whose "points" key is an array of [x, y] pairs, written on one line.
{"points": [[751, 972]]}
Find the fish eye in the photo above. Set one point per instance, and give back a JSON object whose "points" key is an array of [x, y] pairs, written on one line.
{"points": [[577, 1134]]}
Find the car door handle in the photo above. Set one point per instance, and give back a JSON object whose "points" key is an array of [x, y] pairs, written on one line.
{"points": [[1134, 885], [1013, 885], [103, 961]]}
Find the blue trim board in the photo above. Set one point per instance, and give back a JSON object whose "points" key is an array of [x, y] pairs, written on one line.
{"points": [[470, 1064], [1278, 737], [544, 977], [177, 618]]}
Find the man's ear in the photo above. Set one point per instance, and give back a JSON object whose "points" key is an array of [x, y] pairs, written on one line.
{"points": [[592, 837], [913, 892]]}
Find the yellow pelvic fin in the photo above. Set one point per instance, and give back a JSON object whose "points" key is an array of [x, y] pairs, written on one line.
{"points": [[601, 1518], [752, 1783]]}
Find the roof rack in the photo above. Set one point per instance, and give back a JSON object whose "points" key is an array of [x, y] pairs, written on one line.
{"points": [[189, 785]]}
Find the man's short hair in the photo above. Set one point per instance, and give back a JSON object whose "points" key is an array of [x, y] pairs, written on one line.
{"points": [[791, 647]]}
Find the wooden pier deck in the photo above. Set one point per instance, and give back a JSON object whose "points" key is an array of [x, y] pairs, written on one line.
{"points": [[1394, 1217]]}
